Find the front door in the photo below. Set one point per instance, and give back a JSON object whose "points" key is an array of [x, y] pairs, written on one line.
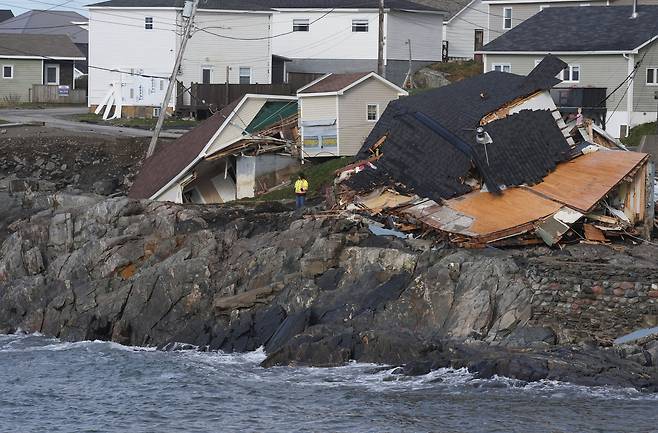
{"points": [[479, 43], [52, 74]]}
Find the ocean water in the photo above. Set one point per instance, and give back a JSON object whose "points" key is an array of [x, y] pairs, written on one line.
{"points": [[51, 386]]}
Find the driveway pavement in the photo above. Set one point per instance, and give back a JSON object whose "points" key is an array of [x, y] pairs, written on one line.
{"points": [[59, 118]]}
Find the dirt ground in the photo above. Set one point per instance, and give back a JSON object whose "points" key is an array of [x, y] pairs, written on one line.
{"points": [[63, 159]]}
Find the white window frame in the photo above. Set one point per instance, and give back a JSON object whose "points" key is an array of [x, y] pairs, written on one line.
{"points": [[51, 65], [505, 18], [156, 111], [148, 23], [212, 72], [655, 76], [502, 67], [301, 25], [360, 23], [11, 77], [240, 69], [567, 73], [376, 112]]}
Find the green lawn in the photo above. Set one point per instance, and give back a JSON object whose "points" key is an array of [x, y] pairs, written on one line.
{"points": [[318, 175], [135, 123], [638, 132]]}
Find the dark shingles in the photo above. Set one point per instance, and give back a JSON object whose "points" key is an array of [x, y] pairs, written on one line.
{"points": [[38, 46], [6, 14], [450, 7], [48, 22], [268, 4], [171, 159], [334, 82], [601, 28], [526, 145]]}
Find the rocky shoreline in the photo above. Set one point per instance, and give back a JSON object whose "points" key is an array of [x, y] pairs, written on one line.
{"points": [[321, 291]]}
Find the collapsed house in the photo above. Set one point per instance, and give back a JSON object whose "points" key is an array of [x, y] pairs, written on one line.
{"points": [[491, 161], [241, 150]]}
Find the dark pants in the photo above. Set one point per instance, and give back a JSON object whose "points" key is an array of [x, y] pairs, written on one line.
{"points": [[300, 200]]}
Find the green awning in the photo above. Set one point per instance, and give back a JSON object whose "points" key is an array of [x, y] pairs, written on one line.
{"points": [[271, 113]]}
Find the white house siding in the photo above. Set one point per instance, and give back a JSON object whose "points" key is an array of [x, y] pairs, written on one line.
{"points": [[314, 109], [329, 38], [207, 50], [122, 42], [238, 123], [523, 11], [425, 31], [460, 30], [173, 194], [352, 106]]}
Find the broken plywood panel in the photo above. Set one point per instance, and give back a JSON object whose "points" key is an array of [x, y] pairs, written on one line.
{"points": [[557, 225], [582, 182], [380, 200]]}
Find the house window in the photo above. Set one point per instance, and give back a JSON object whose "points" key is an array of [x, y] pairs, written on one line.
{"points": [[312, 141], [359, 26], [52, 74], [156, 112], [162, 85], [245, 75], [8, 72], [507, 18], [372, 112], [571, 74], [148, 23], [501, 67], [652, 76], [206, 75], [300, 25]]}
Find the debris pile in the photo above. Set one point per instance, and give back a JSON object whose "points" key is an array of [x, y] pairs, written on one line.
{"points": [[490, 161]]}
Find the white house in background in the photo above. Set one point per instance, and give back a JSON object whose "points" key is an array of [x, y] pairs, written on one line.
{"points": [[338, 111], [341, 36], [128, 40]]}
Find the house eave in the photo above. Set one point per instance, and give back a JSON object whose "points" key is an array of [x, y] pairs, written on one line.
{"points": [[557, 53]]}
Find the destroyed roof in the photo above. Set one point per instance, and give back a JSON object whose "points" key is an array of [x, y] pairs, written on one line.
{"points": [[38, 46], [269, 4], [607, 28], [48, 23], [526, 145], [171, 159]]}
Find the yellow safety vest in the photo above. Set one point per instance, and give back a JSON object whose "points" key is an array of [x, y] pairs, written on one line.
{"points": [[301, 186]]}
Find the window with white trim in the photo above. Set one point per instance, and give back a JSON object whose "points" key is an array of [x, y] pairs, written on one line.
{"points": [[245, 75], [507, 18], [300, 25], [571, 74], [372, 112], [359, 26], [206, 75], [501, 67], [652, 76], [8, 72], [148, 23]]}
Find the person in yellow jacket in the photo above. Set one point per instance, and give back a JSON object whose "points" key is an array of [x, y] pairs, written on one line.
{"points": [[301, 187]]}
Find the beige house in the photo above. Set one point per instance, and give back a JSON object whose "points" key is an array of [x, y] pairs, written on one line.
{"points": [[338, 111]]}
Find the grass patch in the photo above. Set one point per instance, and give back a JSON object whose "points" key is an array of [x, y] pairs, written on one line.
{"points": [[33, 105], [459, 70], [638, 132], [135, 123], [317, 174]]}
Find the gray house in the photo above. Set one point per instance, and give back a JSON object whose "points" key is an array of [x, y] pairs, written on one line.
{"points": [[27, 60], [612, 59]]}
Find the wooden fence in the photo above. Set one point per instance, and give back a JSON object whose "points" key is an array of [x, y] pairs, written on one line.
{"points": [[219, 95], [52, 94]]}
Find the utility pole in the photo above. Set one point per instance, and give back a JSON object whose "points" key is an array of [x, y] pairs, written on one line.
{"points": [[380, 51], [410, 77], [174, 74]]}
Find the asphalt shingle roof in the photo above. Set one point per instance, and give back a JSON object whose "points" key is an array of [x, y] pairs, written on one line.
{"points": [[526, 145], [171, 158], [334, 82], [601, 28], [48, 23], [38, 46], [268, 4], [6, 14], [451, 7]]}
